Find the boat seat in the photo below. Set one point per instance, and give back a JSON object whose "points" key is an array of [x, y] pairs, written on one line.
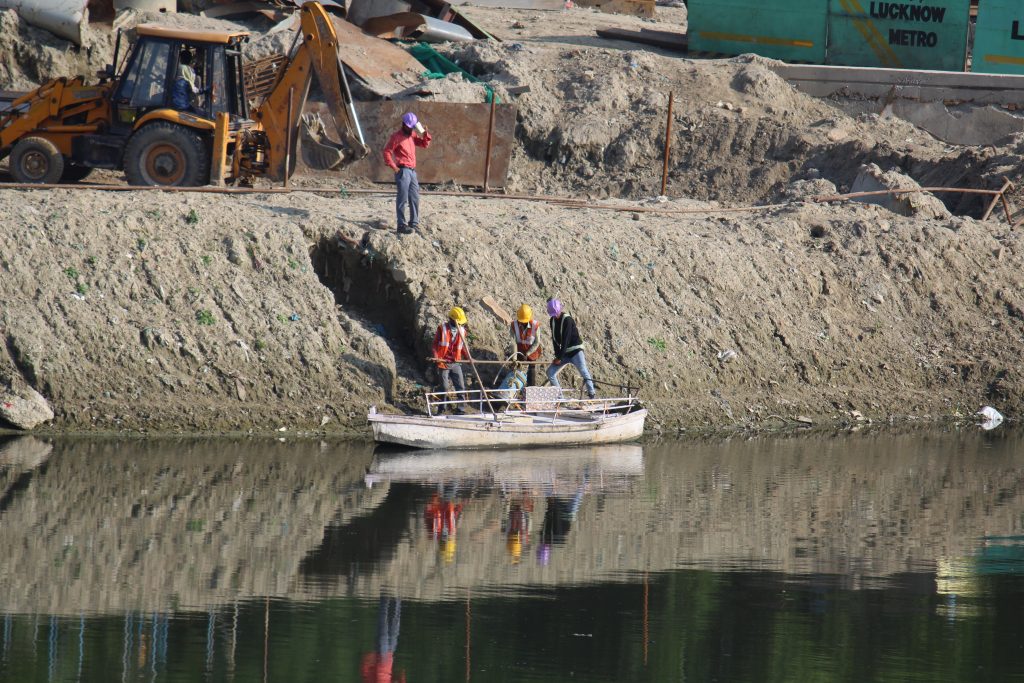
{"points": [[539, 398]]}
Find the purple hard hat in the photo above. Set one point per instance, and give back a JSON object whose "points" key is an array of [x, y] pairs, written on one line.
{"points": [[409, 120], [554, 308]]}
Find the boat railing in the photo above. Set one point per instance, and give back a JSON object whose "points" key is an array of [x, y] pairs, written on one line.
{"points": [[533, 400]]}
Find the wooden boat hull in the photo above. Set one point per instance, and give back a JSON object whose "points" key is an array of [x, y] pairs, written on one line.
{"points": [[420, 431]]}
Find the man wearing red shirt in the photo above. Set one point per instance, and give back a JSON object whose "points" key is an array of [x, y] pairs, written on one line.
{"points": [[400, 155]]}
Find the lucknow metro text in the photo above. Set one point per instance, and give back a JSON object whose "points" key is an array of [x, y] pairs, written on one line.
{"points": [[909, 12]]}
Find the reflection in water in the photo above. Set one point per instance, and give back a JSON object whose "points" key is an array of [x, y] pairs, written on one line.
{"points": [[378, 666], [849, 558]]}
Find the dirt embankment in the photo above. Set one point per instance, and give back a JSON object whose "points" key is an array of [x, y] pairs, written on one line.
{"points": [[209, 312]]}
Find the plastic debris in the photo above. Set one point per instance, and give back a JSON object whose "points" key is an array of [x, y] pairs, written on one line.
{"points": [[992, 418]]}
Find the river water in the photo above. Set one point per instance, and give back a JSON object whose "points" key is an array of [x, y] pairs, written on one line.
{"points": [[853, 557]]}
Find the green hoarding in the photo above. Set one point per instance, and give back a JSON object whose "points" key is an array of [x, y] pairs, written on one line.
{"points": [[999, 38], [899, 34], [792, 30]]}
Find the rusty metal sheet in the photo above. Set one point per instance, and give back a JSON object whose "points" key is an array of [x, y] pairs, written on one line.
{"points": [[417, 27], [458, 149], [386, 69]]}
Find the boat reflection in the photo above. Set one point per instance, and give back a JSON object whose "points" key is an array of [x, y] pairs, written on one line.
{"points": [[478, 513], [542, 466]]}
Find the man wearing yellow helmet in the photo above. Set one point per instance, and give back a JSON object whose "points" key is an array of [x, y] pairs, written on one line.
{"points": [[450, 350], [526, 337]]}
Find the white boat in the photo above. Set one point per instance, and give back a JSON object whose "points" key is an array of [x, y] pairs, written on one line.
{"points": [[542, 416]]}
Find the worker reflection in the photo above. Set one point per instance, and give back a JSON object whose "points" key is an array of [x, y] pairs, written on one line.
{"points": [[559, 516], [377, 667], [516, 526], [441, 517], [186, 85]]}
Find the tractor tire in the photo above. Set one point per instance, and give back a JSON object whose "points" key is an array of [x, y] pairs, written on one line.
{"points": [[36, 160], [166, 154], [73, 173]]}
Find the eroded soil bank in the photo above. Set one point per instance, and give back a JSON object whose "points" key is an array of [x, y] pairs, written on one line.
{"points": [[198, 312]]}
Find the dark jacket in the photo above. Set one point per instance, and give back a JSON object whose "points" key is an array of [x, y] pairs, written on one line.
{"points": [[565, 337]]}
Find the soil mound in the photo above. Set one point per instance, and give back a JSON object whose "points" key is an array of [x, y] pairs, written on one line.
{"points": [[226, 312]]}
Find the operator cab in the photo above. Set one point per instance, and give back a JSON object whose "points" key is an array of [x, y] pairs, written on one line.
{"points": [[198, 73]]}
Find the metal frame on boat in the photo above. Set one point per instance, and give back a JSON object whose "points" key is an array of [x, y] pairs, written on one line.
{"points": [[534, 417]]}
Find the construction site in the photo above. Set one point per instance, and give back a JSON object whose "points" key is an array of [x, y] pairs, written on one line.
{"points": [[757, 241]]}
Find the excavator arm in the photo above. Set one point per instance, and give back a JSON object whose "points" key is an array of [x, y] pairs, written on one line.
{"points": [[315, 52]]}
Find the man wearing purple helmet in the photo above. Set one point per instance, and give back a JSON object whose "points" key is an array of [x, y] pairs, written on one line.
{"points": [[400, 155], [568, 347]]}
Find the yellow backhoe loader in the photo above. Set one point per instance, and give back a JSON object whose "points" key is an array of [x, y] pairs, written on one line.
{"points": [[177, 113]]}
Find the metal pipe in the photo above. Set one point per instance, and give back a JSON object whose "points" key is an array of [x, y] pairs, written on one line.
{"points": [[854, 195], [480, 382], [992, 204], [288, 138], [568, 202], [668, 141], [490, 142]]}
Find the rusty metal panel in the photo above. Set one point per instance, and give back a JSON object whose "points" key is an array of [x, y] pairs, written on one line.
{"points": [[385, 68], [458, 149]]}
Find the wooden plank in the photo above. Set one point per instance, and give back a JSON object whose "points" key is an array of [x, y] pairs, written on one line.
{"points": [[496, 309], [667, 40]]}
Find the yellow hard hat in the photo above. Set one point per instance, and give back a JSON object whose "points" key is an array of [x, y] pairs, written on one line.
{"points": [[514, 545], [524, 314], [457, 315], [448, 550]]}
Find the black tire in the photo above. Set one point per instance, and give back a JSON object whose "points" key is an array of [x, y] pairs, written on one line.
{"points": [[73, 173], [166, 154], [36, 160]]}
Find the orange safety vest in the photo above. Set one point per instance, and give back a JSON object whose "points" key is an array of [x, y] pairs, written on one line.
{"points": [[526, 336], [449, 345]]}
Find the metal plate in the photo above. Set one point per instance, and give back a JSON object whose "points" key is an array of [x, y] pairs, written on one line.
{"points": [[385, 68], [899, 34], [999, 38], [790, 30], [458, 149]]}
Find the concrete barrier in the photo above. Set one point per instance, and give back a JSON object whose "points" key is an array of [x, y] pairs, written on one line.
{"points": [[957, 107]]}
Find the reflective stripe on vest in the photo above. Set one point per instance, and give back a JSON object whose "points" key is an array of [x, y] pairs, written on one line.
{"points": [[561, 336], [446, 341], [530, 329]]}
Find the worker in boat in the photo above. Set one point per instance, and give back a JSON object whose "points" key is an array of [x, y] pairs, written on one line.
{"points": [[526, 337], [400, 155], [186, 85], [449, 351], [568, 347]]}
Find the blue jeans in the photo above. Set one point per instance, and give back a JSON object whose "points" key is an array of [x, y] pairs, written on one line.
{"points": [[581, 364], [408, 193]]}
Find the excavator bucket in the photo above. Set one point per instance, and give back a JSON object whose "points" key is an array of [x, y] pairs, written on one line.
{"points": [[318, 151]]}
